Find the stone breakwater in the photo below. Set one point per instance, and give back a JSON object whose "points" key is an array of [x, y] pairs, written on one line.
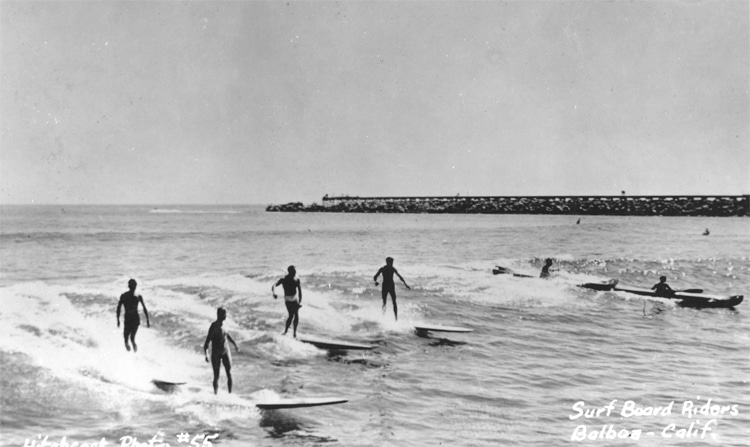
{"points": [[724, 206]]}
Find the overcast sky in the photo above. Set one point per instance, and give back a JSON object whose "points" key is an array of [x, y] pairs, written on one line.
{"points": [[269, 102]]}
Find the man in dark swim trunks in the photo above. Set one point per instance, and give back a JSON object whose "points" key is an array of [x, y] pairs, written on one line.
{"points": [[293, 303], [389, 287], [131, 318], [662, 288], [220, 353]]}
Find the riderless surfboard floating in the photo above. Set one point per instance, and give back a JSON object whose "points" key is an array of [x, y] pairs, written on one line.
{"points": [[165, 385], [333, 345], [300, 402], [434, 328]]}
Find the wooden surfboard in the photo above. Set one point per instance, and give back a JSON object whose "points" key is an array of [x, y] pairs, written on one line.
{"points": [[300, 402], [435, 328], [326, 343]]}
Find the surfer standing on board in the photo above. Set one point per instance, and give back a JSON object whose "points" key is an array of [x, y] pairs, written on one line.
{"points": [[131, 319], [389, 287], [293, 303], [662, 288], [220, 352]]}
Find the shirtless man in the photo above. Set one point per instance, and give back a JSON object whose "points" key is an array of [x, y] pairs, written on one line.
{"points": [[545, 269], [662, 288], [389, 287], [220, 352], [131, 319], [293, 303]]}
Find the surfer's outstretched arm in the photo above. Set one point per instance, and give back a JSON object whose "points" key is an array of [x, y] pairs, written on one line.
{"points": [[229, 337], [119, 306], [145, 311], [299, 289], [208, 340], [401, 278], [375, 278]]}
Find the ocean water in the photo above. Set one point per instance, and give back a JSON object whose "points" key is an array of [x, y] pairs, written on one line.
{"points": [[548, 363]]}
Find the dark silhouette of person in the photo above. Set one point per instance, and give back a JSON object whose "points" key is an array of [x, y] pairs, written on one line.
{"points": [[131, 319], [662, 288], [293, 302], [545, 269], [220, 352], [389, 287], [706, 233]]}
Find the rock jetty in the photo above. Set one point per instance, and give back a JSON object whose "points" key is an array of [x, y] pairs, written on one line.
{"points": [[723, 206]]}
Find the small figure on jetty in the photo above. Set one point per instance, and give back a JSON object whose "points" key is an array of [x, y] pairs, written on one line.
{"points": [[389, 287], [662, 288], [220, 352], [546, 268], [291, 285], [131, 319], [706, 233]]}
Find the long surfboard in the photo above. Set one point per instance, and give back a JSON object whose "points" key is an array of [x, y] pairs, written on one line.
{"points": [[689, 299], [326, 343], [601, 286], [434, 328], [165, 385], [678, 294], [498, 270], [300, 402]]}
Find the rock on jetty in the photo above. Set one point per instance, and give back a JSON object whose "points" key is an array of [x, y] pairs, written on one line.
{"points": [[724, 206]]}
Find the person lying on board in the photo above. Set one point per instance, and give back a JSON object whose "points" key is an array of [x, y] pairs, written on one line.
{"points": [[220, 352], [662, 288]]}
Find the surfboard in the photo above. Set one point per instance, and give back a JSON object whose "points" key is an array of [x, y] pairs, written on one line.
{"points": [[325, 343], [165, 385], [498, 270], [433, 328], [600, 286], [300, 402]]}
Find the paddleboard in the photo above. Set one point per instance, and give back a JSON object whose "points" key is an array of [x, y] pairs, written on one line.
{"points": [[433, 328], [300, 402], [678, 294], [326, 343]]}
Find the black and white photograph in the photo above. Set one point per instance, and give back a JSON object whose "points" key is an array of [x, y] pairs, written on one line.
{"points": [[372, 223]]}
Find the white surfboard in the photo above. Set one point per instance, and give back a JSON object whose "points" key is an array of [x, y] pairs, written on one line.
{"points": [[435, 328], [300, 402], [327, 343]]}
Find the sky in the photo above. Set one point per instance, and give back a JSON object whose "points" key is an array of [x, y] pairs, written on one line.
{"points": [[261, 102]]}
